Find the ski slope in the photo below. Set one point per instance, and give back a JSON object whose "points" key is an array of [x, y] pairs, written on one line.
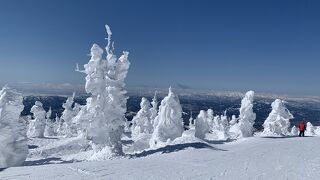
{"points": [[255, 158]]}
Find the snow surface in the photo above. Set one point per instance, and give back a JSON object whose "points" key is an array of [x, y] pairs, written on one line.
{"points": [[293, 158]]}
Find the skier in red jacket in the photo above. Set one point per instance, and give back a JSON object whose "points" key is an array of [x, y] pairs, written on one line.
{"points": [[302, 128]]}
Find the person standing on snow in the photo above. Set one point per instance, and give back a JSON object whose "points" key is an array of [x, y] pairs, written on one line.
{"points": [[302, 128]]}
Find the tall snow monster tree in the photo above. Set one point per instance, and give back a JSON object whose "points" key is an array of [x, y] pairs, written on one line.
{"points": [[102, 118], [168, 123], [13, 137], [244, 126]]}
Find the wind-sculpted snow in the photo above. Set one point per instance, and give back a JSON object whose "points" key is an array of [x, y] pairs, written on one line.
{"points": [[168, 123], [278, 121], [244, 127], [13, 138], [102, 119]]}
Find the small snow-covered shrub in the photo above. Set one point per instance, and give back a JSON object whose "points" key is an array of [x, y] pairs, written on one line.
{"points": [[141, 123]]}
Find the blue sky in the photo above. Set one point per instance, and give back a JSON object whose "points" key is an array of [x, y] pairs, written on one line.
{"points": [[269, 46]]}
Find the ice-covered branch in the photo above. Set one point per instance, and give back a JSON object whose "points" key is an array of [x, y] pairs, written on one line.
{"points": [[110, 44], [78, 69]]}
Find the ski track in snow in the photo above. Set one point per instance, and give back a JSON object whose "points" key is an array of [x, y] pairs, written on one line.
{"points": [[254, 158]]}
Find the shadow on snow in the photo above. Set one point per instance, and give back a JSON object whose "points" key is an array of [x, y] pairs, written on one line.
{"points": [[42, 162], [284, 137], [32, 146], [219, 141], [45, 161], [175, 148]]}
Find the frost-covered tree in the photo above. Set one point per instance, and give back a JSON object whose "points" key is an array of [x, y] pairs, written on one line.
{"points": [[168, 123], [154, 108], [37, 126], [50, 125], [278, 121], [218, 125], [141, 123], [221, 127], [310, 130], [49, 113], [233, 120], [59, 126], [244, 126], [201, 124], [71, 109], [294, 131], [13, 138], [102, 118], [191, 122]]}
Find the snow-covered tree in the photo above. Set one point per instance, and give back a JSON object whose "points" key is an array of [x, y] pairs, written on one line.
{"points": [[278, 121], [141, 123], [71, 109], [310, 130], [221, 127], [102, 118], [169, 122], [201, 124], [218, 126], [191, 122], [294, 131], [50, 125], [59, 126], [154, 108], [233, 120], [37, 126], [13, 138], [244, 126]]}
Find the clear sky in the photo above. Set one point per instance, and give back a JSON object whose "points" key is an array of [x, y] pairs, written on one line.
{"points": [[268, 45]]}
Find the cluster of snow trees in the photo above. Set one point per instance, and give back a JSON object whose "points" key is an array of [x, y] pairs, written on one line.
{"points": [[220, 127], [43, 126]]}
